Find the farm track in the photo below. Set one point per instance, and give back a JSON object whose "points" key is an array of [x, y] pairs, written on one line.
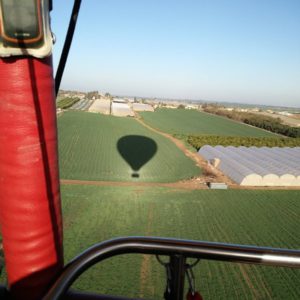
{"points": [[187, 185], [212, 174]]}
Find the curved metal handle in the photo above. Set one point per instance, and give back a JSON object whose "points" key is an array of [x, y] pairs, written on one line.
{"points": [[166, 246]]}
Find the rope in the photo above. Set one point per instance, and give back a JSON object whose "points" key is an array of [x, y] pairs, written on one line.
{"points": [[67, 45]]}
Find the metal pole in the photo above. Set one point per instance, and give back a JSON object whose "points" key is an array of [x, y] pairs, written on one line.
{"points": [[177, 266]]}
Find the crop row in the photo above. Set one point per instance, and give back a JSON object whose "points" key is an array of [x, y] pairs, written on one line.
{"points": [[67, 102]]}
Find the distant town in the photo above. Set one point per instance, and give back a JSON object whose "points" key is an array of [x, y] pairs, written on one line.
{"points": [[124, 106]]}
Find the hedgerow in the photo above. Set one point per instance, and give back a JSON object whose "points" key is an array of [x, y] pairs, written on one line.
{"points": [[268, 123], [197, 141]]}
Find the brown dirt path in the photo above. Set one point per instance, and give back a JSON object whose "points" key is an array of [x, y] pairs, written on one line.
{"points": [[210, 174], [195, 184], [192, 184]]}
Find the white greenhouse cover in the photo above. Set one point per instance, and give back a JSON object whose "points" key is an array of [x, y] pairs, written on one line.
{"points": [[101, 106], [122, 110], [257, 166]]}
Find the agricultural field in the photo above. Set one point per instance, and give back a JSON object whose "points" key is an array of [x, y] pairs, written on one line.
{"points": [[98, 147], [264, 218], [192, 122], [66, 102]]}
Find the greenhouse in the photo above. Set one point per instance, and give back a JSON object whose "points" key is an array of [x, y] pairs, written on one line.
{"points": [[101, 106], [121, 110], [252, 166]]}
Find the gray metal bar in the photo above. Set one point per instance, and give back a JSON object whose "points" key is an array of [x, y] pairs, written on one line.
{"points": [[164, 246]]}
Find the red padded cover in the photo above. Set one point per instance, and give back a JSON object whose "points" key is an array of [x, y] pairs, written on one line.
{"points": [[30, 211]]}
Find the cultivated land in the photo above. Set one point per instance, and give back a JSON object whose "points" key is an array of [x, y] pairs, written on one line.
{"points": [[98, 147], [264, 218], [180, 121]]}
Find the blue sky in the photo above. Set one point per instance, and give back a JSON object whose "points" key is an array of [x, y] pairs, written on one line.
{"points": [[231, 50]]}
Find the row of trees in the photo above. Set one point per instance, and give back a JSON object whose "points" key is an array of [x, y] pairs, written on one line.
{"points": [[197, 141], [273, 126], [268, 123]]}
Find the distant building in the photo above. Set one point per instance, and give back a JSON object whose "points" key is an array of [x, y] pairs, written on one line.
{"points": [[189, 106], [284, 113], [242, 109], [142, 107], [170, 106]]}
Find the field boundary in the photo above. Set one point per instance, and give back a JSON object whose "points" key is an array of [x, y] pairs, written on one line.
{"points": [[178, 143], [191, 184], [185, 185]]}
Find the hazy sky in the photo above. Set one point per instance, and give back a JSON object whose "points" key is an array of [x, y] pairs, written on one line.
{"points": [[222, 50]]}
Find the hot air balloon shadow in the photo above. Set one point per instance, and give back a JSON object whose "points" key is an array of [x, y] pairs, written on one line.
{"points": [[136, 150]]}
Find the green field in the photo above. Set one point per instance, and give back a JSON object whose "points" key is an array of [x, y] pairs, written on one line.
{"points": [[263, 218], [180, 121], [98, 147]]}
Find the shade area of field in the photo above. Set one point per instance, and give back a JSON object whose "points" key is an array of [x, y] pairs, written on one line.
{"points": [[263, 218], [180, 121], [98, 147]]}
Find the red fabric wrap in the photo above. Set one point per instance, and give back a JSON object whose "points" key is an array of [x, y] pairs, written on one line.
{"points": [[30, 211]]}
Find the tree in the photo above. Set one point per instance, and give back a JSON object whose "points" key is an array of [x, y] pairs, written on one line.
{"points": [[92, 94]]}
